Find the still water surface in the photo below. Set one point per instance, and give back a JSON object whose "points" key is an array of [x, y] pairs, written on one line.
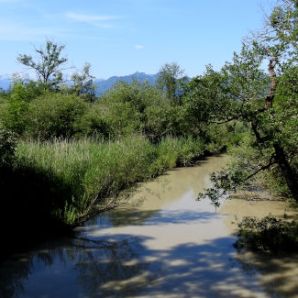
{"points": [[163, 243]]}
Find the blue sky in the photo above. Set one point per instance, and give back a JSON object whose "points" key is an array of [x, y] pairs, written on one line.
{"points": [[120, 37]]}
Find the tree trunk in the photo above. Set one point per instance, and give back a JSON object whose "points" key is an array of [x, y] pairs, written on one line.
{"points": [[288, 173], [273, 83], [280, 156]]}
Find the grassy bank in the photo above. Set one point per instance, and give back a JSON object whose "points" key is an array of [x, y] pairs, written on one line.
{"points": [[64, 179]]}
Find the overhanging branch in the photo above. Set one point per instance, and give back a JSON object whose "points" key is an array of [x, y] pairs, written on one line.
{"points": [[262, 168]]}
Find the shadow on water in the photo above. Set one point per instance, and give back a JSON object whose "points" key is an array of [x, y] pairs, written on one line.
{"points": [[122, 218], [121, 265], [117, 267]]}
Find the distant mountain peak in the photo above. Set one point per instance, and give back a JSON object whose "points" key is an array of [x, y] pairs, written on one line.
{"points": [[104, 85]]}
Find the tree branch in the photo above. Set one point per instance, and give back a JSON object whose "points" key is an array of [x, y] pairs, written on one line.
{"points": [[262, 168]]}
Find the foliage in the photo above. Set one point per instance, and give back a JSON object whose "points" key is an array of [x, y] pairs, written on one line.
{"points": [[172, 152], [137, 108], [268, 235], [93, 123], [170, 79], [78, 174], [267, 105], [7, 147], [83, 84], [14, 109], [47, 64], [13, 115], [206, 98], [54, 116]]}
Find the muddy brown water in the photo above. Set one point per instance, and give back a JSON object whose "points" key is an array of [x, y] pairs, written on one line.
{"points": [[162, 243]]}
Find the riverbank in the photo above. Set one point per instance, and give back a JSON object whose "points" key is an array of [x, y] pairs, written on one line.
{"points": [[54, 186]]}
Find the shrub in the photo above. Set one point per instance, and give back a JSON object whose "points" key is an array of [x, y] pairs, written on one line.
{"points": [[269, 235], [7, 147], [93, 123], [55, 116]]}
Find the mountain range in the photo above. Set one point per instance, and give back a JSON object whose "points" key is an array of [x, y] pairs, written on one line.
{"points": [[103, 85]]}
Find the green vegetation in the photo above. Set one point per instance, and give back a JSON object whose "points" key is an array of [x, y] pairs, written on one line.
{"points": [[268, 235], [47, 66], [85, 172], [7, 147], [266, 107]]}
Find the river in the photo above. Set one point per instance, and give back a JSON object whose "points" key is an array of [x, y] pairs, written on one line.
{"points": [[161, 243]]}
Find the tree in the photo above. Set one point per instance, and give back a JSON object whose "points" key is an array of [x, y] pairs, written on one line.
{"points": [[47, 64], [55, 116], [268, 104], [279, 46], [83, 83], [169, 78]]}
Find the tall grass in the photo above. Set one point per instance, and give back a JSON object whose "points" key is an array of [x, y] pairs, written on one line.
{"points": [[82, 172]]}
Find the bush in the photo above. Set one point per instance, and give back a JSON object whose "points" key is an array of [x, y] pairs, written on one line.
{"points": [[55, 116], [14, 109], [269, 235], [93, 123], [189, 149], [7, 147], [13, 113]]}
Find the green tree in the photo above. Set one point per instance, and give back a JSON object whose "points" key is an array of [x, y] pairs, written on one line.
{"points": [[268, 103], [169, 79], [55, 116], [14, 110], [47, 64], [83, 84]]}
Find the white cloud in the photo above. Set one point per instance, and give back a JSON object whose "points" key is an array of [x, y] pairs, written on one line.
{"points": [[79, 17], [101, 21], [139, 47]]}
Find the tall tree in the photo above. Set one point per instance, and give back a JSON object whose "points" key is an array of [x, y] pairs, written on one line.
{"points": [[279, 46], [83, 83], [268, 104], [169, 78], [47, 64]]}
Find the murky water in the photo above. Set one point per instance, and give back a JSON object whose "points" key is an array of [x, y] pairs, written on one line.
{"points": [[163, 243]]}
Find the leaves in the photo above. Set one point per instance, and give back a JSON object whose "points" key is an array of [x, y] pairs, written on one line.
{"points": [[47, 64]]}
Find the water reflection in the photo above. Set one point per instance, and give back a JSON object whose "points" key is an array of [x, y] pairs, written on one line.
{"points": [[81, 269]]}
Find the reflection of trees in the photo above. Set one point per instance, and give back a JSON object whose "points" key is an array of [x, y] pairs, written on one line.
{"points": [[95, 263], [16, 270], [130, 217], [106, 262], [11, 277]]}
